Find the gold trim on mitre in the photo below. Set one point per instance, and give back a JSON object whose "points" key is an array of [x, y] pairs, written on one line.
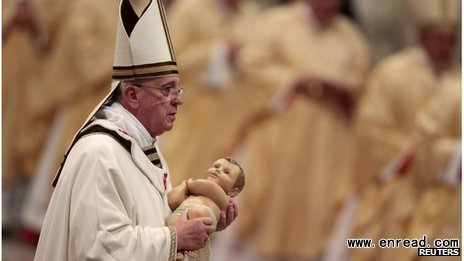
{"points": [[146, 70], [435, 12], [143, 45]]}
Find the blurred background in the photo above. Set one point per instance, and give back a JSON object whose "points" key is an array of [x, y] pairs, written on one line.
{"points": [[345, 115]]}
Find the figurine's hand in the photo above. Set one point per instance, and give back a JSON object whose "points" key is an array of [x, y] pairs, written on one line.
{"points": [[227, 216]]}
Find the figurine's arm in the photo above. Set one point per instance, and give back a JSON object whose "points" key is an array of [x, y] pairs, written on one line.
{"points": [[178, 194], [209, 189]]}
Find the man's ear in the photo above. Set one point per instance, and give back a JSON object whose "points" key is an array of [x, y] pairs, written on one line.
{"points": [[233, 193], [130, 96]]}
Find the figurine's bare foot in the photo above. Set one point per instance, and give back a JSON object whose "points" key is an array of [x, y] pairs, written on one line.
{"points": [[192, 253], [179, 256]]}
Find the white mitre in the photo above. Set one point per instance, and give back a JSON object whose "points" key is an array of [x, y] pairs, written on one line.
{"points": [[143, 46]]}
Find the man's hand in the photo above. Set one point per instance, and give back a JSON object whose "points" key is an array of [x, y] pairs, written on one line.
{"points": [[193, 234], [233, 48], [227, 216], [324, 90]]}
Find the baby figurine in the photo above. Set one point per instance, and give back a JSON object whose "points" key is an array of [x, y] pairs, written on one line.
{"points": [[206, 197]]}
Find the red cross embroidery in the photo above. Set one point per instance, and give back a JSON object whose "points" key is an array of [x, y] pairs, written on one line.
{"points": [[123, 131]]}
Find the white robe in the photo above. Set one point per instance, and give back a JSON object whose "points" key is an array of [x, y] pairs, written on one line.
{"points": [[108, 205]]}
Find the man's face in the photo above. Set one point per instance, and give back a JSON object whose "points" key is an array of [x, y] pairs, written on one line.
{"points": [[232, 3], [156, 108], [325, 10], [439, 42], [224, 173]]}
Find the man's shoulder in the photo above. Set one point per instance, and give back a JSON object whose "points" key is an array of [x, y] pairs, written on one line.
{"points": [[104, 135], [402, 60]]}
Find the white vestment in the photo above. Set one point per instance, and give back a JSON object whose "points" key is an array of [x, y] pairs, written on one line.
{"points": [[108, 204]]}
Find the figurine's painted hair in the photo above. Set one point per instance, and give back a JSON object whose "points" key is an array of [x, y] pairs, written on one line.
{"points": [[240, 182]]}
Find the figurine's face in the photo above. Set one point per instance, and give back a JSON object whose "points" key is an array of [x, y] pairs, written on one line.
{"points": [[224, 173]]}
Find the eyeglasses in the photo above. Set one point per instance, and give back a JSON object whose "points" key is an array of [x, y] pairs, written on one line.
{"points": [[170, 92]]}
